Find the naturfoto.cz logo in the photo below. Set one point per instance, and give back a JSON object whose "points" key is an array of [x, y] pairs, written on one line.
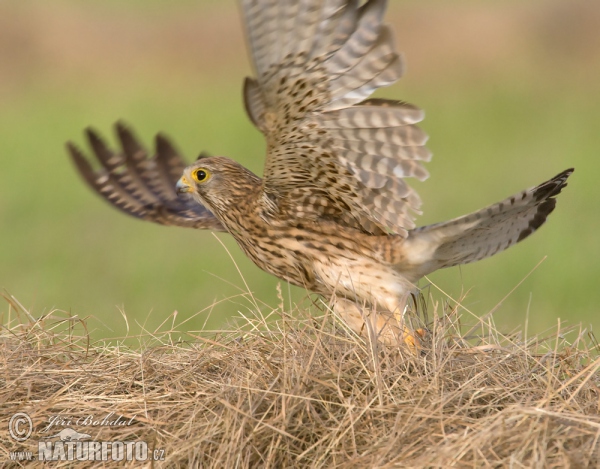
{"points": [[73, 445]]}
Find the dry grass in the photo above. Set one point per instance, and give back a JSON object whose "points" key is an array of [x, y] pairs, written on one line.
{"points": [[305, 392]]}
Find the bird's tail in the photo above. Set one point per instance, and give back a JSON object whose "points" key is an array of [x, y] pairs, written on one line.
{"points": [[486, 232]]}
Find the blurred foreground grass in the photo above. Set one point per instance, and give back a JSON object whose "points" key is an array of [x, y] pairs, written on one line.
{"points": [[511, 94]]}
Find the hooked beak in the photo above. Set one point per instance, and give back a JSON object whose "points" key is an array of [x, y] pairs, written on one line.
{"points": [[183, 186]]}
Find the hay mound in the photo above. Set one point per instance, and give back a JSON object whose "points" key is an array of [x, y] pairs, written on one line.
{"points": [[305, 392]]}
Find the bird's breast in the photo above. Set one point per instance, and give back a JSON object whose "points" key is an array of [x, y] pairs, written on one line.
{"points": [[362, 278], [325, 263]]}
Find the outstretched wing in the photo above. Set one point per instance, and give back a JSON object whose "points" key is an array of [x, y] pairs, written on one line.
{"points": [[331, 153], [139, 185]]}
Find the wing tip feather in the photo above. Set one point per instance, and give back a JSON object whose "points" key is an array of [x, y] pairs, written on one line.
{"points": [[82, 164]]}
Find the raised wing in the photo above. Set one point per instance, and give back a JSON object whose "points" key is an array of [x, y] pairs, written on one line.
{"points": [[139, 185], [331, 153]]}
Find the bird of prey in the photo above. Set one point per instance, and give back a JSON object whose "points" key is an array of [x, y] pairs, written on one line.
{"points": [[333, 212]]}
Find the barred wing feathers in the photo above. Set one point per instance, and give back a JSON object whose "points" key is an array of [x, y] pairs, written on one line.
{"points": [[330, 151], [139, 185]]}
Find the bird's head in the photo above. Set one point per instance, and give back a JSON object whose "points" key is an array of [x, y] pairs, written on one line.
{"points": [[217, 183]]}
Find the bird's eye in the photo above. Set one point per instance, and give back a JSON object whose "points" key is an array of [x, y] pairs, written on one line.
{"points": [[201, 175]]}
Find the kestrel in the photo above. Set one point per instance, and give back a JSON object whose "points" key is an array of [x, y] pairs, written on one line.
{"points": [[333, 212]]}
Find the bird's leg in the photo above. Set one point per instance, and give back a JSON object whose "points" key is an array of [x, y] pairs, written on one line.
{"points": [[384, 325], [412, 338]]}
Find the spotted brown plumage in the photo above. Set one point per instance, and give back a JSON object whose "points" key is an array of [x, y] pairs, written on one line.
{"points": [[333, 212]]}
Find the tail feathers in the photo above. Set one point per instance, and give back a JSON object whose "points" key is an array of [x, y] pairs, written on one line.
{"points": [[488, 231]]}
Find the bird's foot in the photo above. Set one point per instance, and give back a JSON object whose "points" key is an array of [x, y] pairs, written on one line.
{"points": [[383, 326]]}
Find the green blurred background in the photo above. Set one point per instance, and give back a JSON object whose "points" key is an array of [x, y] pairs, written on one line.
{"points": [[512, 95]]}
